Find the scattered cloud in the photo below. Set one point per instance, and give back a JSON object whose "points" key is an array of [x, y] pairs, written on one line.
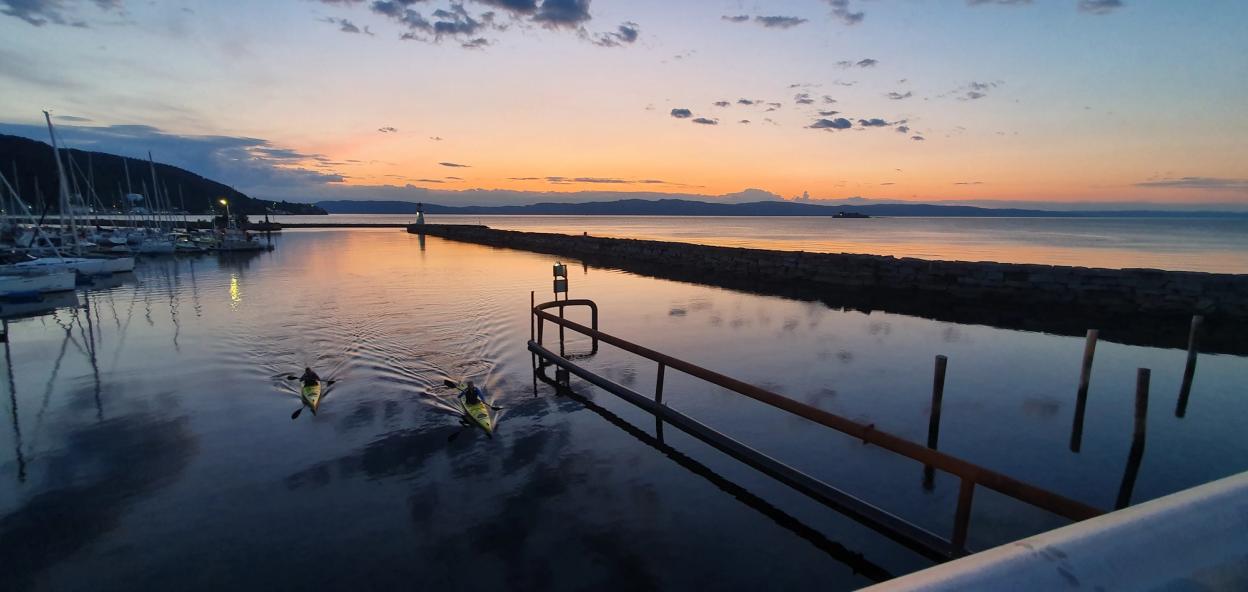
{"points": [[827, 100], [896, 96], [387, 130], [722, 103], [773, 106], [803, 99], [839, 123], [863, 63], [873, 122], [779, 22], [968, 183], [1099, 6], [1210, 183], [903, 129], [56, 12], [562, 13], [842, 12], [682, 113], [705, 121], [744, 121], [770, 22], [624, 34], [347, 26], [454, 178], [436, 138], [746, 102], [455, 165], [1000, 2], [453, 20], [429, 180], [73, 118], [976, 90], [829, 113]]}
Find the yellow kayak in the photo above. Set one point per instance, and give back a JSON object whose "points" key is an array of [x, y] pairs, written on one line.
{"points": [[311, 396], [478, 412]]}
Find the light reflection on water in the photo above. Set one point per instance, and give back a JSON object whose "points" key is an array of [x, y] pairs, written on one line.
{"points": [[154, 422], [1188, 244]]}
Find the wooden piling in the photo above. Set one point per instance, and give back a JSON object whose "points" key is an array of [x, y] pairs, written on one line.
{"points": [[1081, 398], [1137, 440], [933, 421], [1189, 371]]}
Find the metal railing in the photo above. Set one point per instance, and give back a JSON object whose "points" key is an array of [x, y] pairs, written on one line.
{"points": [[931, 545]]}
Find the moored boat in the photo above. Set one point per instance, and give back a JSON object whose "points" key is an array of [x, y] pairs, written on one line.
{"points": [[33, 284]]}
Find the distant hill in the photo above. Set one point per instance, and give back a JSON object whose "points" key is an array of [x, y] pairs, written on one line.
{"points": [[682, 207], [33, 160]]}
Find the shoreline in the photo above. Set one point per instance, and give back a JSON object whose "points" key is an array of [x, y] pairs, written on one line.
{"points": [[1132, 306]]}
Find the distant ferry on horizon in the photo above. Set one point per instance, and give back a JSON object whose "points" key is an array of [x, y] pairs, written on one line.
{"points": [[850, 215]]}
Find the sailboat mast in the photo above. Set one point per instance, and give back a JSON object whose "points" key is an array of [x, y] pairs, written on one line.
{"points": [[64, 193], [155, 186], [182, 205]]}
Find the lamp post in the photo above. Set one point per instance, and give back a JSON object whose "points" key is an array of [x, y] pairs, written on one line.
{"points": [[228, 221]]}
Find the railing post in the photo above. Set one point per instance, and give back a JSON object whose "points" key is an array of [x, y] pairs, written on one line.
{"points": [[1189, 371], [593, 320], [1081, 398], [561, 346], [962, 520], [658, 384], [933, 422], [532, 314]]}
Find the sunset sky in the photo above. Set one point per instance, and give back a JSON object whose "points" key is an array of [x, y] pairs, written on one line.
{"points": [[1032, 101]]}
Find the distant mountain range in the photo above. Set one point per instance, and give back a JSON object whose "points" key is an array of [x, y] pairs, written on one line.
{"points": [[683, 207], [29, 164]]}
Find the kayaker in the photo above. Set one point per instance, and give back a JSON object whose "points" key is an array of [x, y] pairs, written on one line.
{"points": [[309, 377], [472, 394]]}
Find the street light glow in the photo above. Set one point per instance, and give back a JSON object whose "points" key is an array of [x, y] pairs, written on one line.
{"points": [[223, 202]]}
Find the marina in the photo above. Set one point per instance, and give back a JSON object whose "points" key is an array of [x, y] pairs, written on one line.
{"points": [[392, 331]]}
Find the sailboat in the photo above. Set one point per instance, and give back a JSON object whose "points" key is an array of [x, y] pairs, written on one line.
{"points": [[78, 263]]}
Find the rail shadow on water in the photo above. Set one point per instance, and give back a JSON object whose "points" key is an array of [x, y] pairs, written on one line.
{"points": [[850, 558]]}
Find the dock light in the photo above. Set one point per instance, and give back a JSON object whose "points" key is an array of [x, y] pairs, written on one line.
{"points": [[227, 207]]}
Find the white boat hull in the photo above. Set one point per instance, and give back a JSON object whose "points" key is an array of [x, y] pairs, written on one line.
{"points": [[39, 283], [80, 265]]}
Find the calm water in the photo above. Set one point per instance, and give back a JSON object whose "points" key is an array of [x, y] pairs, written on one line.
{"points": [[150, 443], [1188, 244]]}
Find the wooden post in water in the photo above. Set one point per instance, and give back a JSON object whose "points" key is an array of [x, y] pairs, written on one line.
{"points": [[1137, 440], [1081, 399], [1189, 371], [933, 421]]}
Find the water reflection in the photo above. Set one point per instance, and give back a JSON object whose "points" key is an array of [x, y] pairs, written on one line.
{"points": [[559, 498], [855, 560], [88, 487]]}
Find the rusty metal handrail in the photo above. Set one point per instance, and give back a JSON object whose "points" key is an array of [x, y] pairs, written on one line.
{"points": [[970, 473], [562, 304]]}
